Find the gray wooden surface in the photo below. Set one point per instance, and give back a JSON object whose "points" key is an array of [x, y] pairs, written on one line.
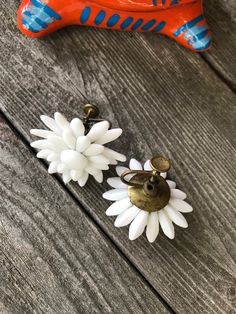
{"points": [[60, 253], [54, 258]]}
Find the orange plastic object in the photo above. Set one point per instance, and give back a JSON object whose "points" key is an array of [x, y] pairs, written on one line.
{"points": [[181, 20]]}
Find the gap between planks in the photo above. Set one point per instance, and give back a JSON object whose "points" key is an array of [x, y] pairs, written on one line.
{"points": [[217, 70]]}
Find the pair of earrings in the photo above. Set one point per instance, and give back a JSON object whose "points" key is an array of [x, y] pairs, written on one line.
{"points": [[141, 195]]}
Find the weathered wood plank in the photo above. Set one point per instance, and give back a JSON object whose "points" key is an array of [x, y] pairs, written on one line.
{"points": [[230, 7], [170, 102], [53, 258], [221, 16]]}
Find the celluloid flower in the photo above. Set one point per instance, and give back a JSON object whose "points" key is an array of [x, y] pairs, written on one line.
{"points": [[139, 219], [72, 152]]}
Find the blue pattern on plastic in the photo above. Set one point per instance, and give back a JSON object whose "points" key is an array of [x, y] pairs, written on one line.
{"points": [[194, 30], [195, 35], [173, 2], [137, 24], [100, 17], [85, 15], [126, 23], [202, 44], [159, 27], [31, 25], [113, 20], [198, 37], [148, 25], [38, 16], [46, 9], [188, 25]]}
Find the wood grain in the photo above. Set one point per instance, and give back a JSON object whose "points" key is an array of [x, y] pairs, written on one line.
{"points": [[167, 100], [230, 7], [53, 258], [221, 16]]}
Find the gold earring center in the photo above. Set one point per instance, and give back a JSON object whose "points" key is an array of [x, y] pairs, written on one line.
{"points": [[148, 190]]}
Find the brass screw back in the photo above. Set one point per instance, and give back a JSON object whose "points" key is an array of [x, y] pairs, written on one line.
{"points": [[160, 164], [148, 190], [92, 112]]}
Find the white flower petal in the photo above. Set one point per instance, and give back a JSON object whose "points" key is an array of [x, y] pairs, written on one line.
{"points": [[175, 193], [109, 136], [172, 184], [99, 176], [164, 174], [126, 217], [62, 168], [147, 166], [53, 167], [69, 138], [100, 166], [176, 217], [98, 130], [93, 150], [40, 144], [138, 225], [61, 121], [91, 169], [50, 123], [166, 224], [77, 127], [76, 174], [53, 157], [152, 229], [135, 165], [66, 177], [181, 205], [74, 159], [82, 143], [53, 147], [57, 141], [99, 159], [118, 207], [115, 194], [44, 153], [41, 133], [83, 180], [120, 170], [116, 183], [113, 155], [113, 162]]}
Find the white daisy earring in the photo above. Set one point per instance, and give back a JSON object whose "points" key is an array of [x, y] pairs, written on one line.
{"points": [[145, 199], [76, 149]]}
